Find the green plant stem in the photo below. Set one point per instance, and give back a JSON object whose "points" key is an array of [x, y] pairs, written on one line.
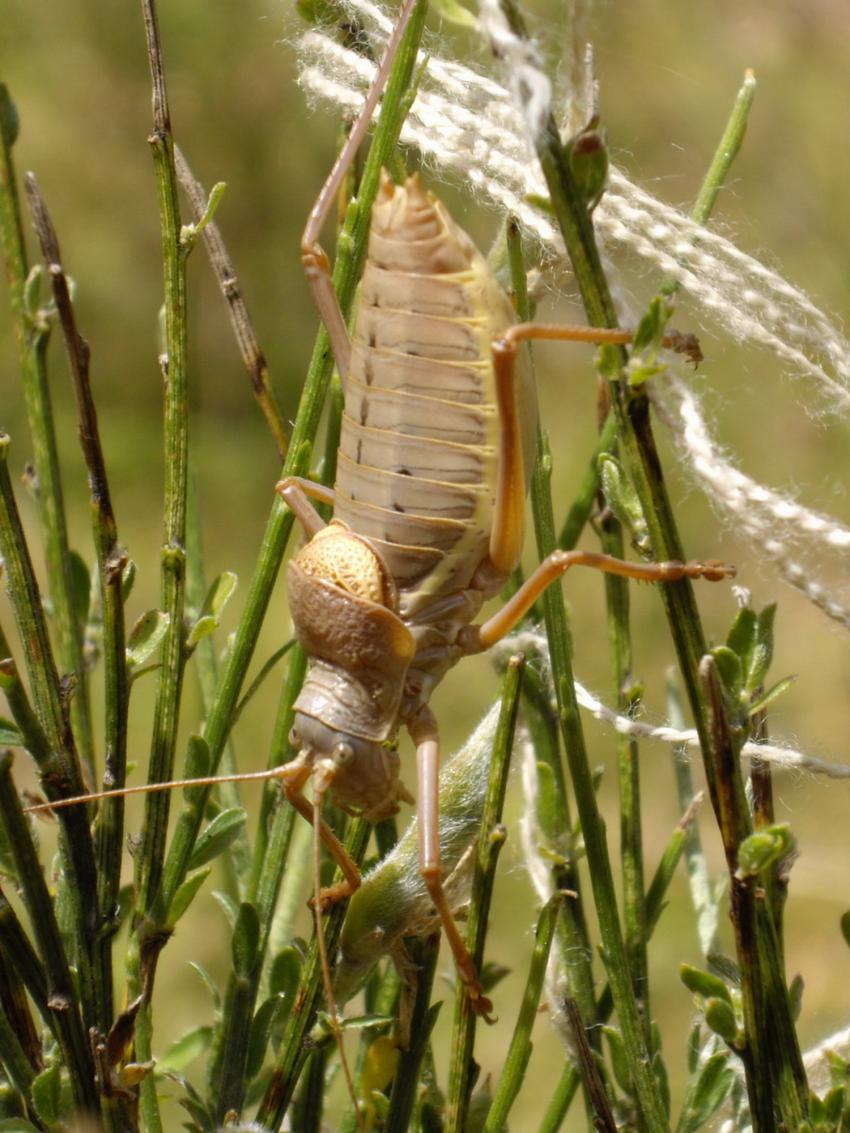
{"points": [[32, 734], [16, 1064], [704, 901], [423, 953], [628, 766], [290, 1060], [553, 815], [776, 1079], [21, 958], [570, 1078], [727, 150], [490, 842], [519, 1051], [59, 766], [13, 997], [62, 1000], [602, 882], [175, 457], [238, 855], [308, 1106], [32, 330], [246, 338], [584, 499], [111, 560]]}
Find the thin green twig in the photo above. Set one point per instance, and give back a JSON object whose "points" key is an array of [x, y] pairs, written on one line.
{"points": [[490, 842], [63, 998], [175, 458], [32, 331], [111, 560], [519, 1050], [237, 309]]}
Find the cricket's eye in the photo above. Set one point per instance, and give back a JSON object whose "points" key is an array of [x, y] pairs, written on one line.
{"points": [[294, 738], [343, 753]]}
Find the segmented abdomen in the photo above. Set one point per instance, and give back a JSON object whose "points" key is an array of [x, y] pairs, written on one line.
{"points": [[417, 460]]}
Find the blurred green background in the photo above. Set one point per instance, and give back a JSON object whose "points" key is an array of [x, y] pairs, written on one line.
{"points": [[667, 76]]}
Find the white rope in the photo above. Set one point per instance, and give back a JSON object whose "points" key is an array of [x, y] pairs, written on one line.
{"points": [[469, 125], [779, 755]]}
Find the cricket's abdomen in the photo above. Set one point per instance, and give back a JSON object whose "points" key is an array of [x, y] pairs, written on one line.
{"points": [[418, 452]]}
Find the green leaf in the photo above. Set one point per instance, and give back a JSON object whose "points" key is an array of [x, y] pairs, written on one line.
{"points": [[146, 637], [46, 1093], [772, 693], [217, 836], [650, 329], [269, 1013], [197, 766], [729, 670], [9, 121], [207, 979], [659, 1069], [246, 940], [228, 907], [285, 973], [619, 1059], [621, 497], [80, 588], [720, 1017], [707, 1094], [762, 655], [17, 1125], [833, 1106], [128, 579], [741, 638], [703, 983], [185, 895], [723, 965], [588, 157], [9, 734], [218, 595], [186, 1049], [795, 996], [763, 848], [454, 13], [845, 927]]}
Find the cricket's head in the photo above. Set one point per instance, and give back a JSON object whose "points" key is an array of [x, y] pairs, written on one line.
{"points": [[361, 774]]}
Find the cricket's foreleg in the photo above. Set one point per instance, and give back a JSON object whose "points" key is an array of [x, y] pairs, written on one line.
{"points": [[558, 563], [293, 783], [423, 730], [295, 490]]}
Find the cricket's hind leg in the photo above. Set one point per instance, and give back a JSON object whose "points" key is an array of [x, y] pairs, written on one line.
{"points": [[313, 256], [423, 730]]}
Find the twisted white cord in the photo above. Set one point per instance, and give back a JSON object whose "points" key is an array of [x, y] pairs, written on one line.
{"points": [[468, 124], [780, 755]]}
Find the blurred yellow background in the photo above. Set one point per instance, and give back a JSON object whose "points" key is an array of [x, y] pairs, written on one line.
{"points": [[668, 74]]}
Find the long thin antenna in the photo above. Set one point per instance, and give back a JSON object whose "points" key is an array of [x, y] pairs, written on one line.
{"points": [[148, 788]]}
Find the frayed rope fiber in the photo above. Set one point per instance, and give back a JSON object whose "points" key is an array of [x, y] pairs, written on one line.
{"points": [[476, 129]]}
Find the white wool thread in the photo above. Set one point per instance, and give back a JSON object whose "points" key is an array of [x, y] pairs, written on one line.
{"points": [[781, 756], [476, 128]]}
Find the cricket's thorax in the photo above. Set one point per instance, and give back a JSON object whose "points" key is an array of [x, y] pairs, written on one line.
{"points": [[344, 608]]}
